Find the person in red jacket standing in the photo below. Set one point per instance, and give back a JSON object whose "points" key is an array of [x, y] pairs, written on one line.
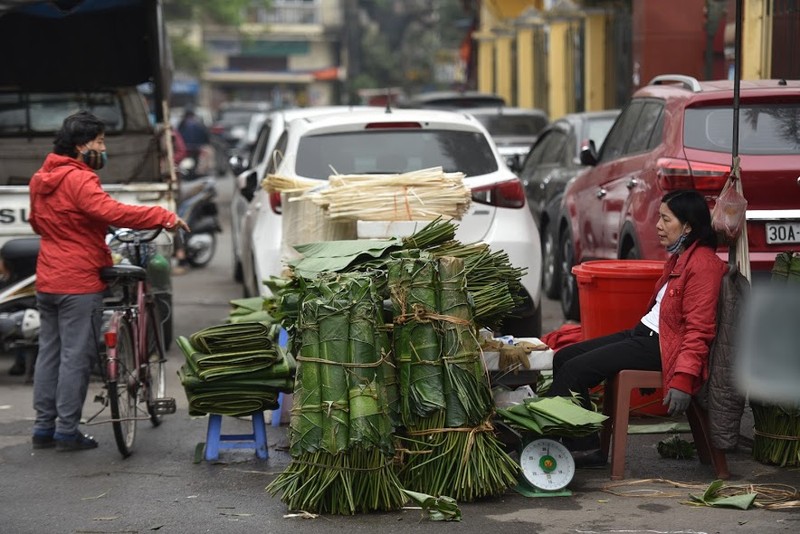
{"points": [[674, 336], [71, 212]]}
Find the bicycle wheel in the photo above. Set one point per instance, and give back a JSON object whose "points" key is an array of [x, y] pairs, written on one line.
{"points": [[156, 374], [123, 393]]}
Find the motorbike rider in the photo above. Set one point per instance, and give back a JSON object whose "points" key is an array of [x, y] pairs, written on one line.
{"points": [[71, 212], [195, 135]]}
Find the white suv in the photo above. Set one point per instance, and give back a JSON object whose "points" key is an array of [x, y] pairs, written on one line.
{"points": [[395, 141], [250, 171]]}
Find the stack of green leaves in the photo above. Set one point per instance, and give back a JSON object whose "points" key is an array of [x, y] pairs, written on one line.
{"points": [[340, 429], [240, 337], [553, 416], [233, 378], [446, 401], [251, 310]]}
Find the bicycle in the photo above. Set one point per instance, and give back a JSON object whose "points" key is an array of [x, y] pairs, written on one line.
{"points": [[133, 365]]}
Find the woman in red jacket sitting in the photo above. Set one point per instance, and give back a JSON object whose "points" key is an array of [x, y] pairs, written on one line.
{"points": [[674, 336], [71, 212]]}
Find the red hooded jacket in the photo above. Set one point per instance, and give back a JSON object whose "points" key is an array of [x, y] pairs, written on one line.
{"points": [[72, 212], [687, 321]]}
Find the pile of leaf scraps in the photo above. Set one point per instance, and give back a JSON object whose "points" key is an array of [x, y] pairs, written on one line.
{"points": [[676, 448], [717, 494]]}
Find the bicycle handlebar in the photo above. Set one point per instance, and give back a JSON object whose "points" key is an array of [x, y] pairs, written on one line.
{"points": [[127, 235]]}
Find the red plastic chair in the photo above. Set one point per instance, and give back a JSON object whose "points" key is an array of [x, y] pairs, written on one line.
{"points": [[616, 405]]}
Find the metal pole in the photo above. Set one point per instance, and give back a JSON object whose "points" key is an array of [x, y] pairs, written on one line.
{"points": [[737, 78]]}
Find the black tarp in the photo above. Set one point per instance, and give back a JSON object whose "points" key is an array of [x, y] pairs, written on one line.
{"points": [[69, 45]]}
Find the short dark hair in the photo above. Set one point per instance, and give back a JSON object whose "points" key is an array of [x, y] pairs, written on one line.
{"points": [[691, 207], [77, 129]]}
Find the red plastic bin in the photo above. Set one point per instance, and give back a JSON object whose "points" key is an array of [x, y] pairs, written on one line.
{"points": [[613, 296]]}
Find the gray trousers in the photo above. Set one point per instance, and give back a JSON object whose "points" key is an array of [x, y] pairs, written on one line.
{"points": [[68, 336]]}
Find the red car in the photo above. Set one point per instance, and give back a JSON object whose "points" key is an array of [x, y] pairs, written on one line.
{"points": [[676, 133]]}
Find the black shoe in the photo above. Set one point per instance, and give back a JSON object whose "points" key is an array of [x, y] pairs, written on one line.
{"points": [[74, 442], [589, 459], [43, 441]]}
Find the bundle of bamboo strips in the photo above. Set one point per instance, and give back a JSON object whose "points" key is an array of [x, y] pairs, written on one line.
{"points": [[274, 183], [340, 432], [417, 195], [446, 402]]}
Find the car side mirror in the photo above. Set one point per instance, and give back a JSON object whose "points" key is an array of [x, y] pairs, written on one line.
{"points": [[513, 163], [238, 164], [589, 153], [247, 183]]}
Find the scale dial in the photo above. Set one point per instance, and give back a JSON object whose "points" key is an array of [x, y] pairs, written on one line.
{"points": [[547, 465]]}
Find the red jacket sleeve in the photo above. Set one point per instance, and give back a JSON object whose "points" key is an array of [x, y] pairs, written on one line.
{"points": [[100, 206]]}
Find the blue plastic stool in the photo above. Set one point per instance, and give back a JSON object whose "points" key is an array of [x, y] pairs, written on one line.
{"points": [[215, 440], [283, 341]]}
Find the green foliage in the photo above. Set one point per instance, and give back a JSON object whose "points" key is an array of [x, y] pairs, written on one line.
{"points": [[399, 46], [218, 11], [186, 57]]}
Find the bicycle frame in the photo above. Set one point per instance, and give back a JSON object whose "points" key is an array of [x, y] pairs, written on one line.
{"points": [[135, 355], [137, 314]]}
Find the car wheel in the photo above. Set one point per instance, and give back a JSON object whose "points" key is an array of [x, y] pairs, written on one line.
{"points": [[632, 254], [551, 265], [238, 275], [569, 286], [251, 289], [530, 326]]}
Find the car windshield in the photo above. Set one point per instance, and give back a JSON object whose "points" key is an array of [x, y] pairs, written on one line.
{"points": [[513, 125], [763, 129], [44, 113], [394, 151], [237, 116]]}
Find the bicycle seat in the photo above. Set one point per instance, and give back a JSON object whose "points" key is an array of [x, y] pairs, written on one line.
{"points": [[123, 273]]}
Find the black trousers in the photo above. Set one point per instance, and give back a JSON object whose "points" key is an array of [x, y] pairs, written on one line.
{"points": [[581, 366]]}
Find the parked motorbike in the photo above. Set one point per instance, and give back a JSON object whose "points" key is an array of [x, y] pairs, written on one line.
{"points": [[198, 208], [19, 317]]}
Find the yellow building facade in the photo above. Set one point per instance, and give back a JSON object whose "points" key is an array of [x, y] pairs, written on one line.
{"points": [[559, 55]]}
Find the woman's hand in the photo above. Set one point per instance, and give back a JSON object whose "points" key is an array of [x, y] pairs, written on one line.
{"points": [[179, 224], [677, 400]]}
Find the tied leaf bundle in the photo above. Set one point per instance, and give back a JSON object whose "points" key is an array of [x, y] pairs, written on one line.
{"points": [[467, 389], [340, 432], [786, 268], [417, 349], [493, 283], [452, 447], [776, 439]]}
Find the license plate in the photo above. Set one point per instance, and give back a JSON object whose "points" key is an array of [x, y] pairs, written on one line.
{"points": [[783, 232]]}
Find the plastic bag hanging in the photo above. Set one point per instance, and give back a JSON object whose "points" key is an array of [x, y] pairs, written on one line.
{"points": [[728, 215]]}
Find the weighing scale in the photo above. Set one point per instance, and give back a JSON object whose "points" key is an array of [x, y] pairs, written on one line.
{"points": [[547, 467]]}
